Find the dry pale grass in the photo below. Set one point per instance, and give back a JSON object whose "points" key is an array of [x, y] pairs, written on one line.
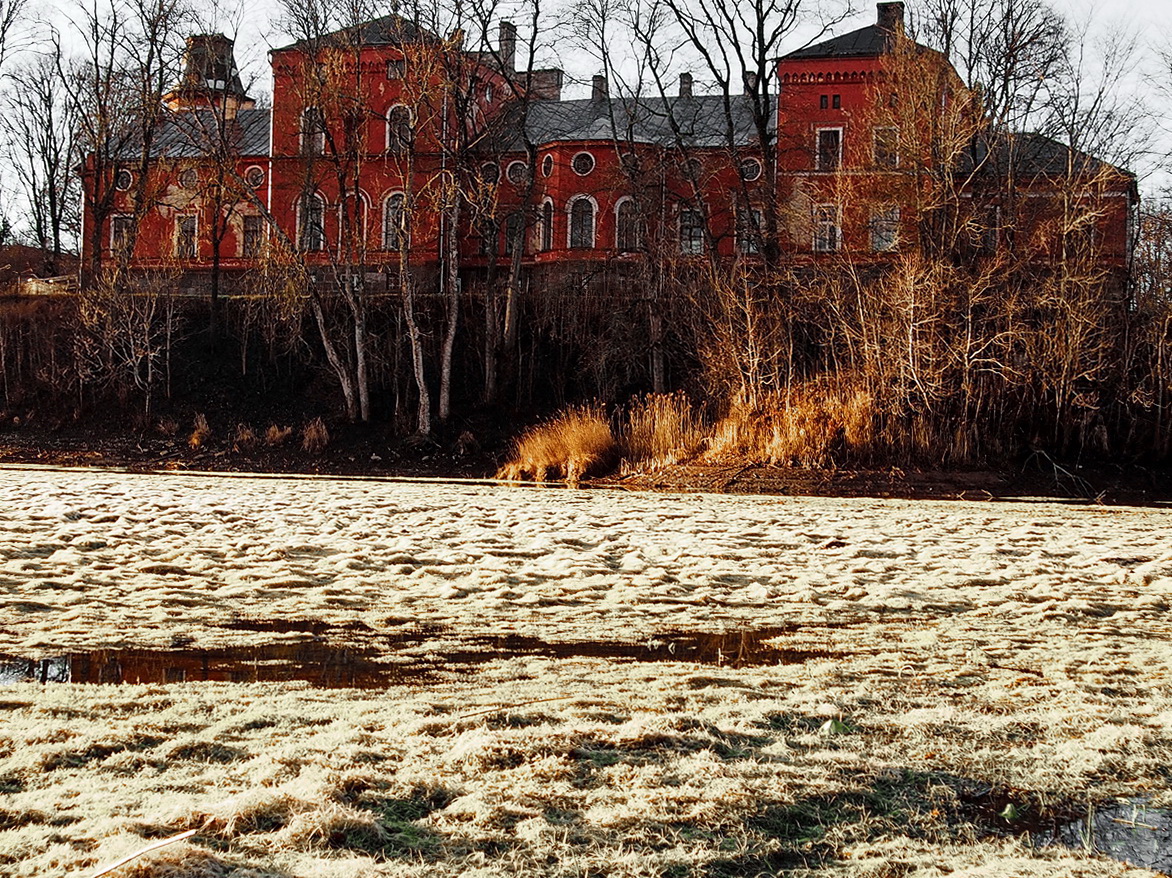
{"points": [[201, 432], [244, 438], [167, 427], [275, 435], [315, 437], [661, 430], [576, 443], [815, 425]]}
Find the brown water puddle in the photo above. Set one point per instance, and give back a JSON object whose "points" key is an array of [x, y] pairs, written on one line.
{"points": [[381, 659]]}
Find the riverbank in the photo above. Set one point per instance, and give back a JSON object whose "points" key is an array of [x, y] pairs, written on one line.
{"points": [[363, 452]]}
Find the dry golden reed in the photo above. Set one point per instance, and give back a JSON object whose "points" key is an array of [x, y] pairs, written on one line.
{"points": [[275, 435], [661, 430], [201, 432], [315, 437], [574, 444]]}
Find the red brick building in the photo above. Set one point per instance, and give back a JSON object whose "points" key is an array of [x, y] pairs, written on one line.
{"points": [[861, 143]]}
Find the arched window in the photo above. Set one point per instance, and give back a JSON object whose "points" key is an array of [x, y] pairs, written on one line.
{"points": [[313, 132], [394, 222], [311, 223], [581, 222], [628, 226], [399, 129], [514, 233], [547, 226], [353, 219]]}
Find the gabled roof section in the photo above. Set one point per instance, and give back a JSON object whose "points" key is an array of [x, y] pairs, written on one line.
{"points": [[865, 42], [1033, 156], [189, 135], [389, 30], [701, 122]]}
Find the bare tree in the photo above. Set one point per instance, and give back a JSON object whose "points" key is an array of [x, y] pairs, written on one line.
{"points": [[40, 126]]}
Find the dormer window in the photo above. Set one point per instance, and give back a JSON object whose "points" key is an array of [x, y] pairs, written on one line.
{"points": [[395, 68]]}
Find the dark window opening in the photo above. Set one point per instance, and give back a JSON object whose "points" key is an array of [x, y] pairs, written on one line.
{"points": [[185, 237], [582, 224], [253, 229], [547, 226], [691, 232], [514, 233], [829, 149], [836, 102], [628, 227]]}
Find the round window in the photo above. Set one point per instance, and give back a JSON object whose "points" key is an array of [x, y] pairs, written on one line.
{"points": [[518, 173], [123, 180], [255, 177], [582, 163], [189, 178], [490, 171], [547, 166], [750, 169]]}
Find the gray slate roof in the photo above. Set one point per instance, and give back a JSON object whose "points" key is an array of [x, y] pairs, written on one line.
{"points": [[389, 30], [864, 42], [185, 134], [702, 121], [1032, 156]]}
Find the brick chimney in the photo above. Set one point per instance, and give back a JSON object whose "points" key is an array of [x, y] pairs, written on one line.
{"points": [[598, 92], [507, 46], [685, 85], [891, 18]]}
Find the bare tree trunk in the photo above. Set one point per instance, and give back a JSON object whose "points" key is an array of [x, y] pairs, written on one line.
{"points": [[452, 288], [335, 361], [423, 422]]}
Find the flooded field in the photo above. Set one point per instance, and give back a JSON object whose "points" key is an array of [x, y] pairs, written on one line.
{"points": [[345, 678]]}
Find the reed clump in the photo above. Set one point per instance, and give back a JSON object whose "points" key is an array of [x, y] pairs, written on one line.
{"points": [[315, 437], [201, 431], [661, 430], [576, 443], [816, 426]]}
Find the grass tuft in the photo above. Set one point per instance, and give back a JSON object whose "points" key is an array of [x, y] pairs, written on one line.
{"points": [[576, 443], [315, 437], [661, 430], [201, 431], [275, 435]]}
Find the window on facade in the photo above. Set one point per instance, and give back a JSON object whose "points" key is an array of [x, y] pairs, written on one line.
{"points": [[547, 226], [255, 176], [886, 147], [489, 234], [582, 163], [885, 229], [824, 102], [749, 230], [827, 233], [514, 233], [352, 221], [394, 222], [490, 171], [185, 237], [123, 180], [395, 68], [829, 149], [630, 164], [121, 228], [836, 102], [518, 173], [581, 223], [313, 132], [399, 132], [488, 94], [250, 241], [628, 226], [691, 231], [547, 166], [312, 227], [750, 170], [986, 229], [189, 178]]}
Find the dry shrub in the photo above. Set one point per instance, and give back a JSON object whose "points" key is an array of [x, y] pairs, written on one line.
{"points": [[315, 437], [244, 438], [661, 430], [201, 432], [167, 427], [820, 424], [275, 435], [576, 443]]}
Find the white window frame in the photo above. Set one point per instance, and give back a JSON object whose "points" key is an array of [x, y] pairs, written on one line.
{"points": [[691, 247], [179, 218], [818, 146], [398, 148], [386, 215], [570, 222], [618, 225], [589, 155], [875, 134], [302, 203], [114, 222], [885, 218], [819, 240], [545, 226]]}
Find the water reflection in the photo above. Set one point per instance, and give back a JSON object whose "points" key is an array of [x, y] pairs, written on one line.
{"points": [[1133, 832], [383, 658]]}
